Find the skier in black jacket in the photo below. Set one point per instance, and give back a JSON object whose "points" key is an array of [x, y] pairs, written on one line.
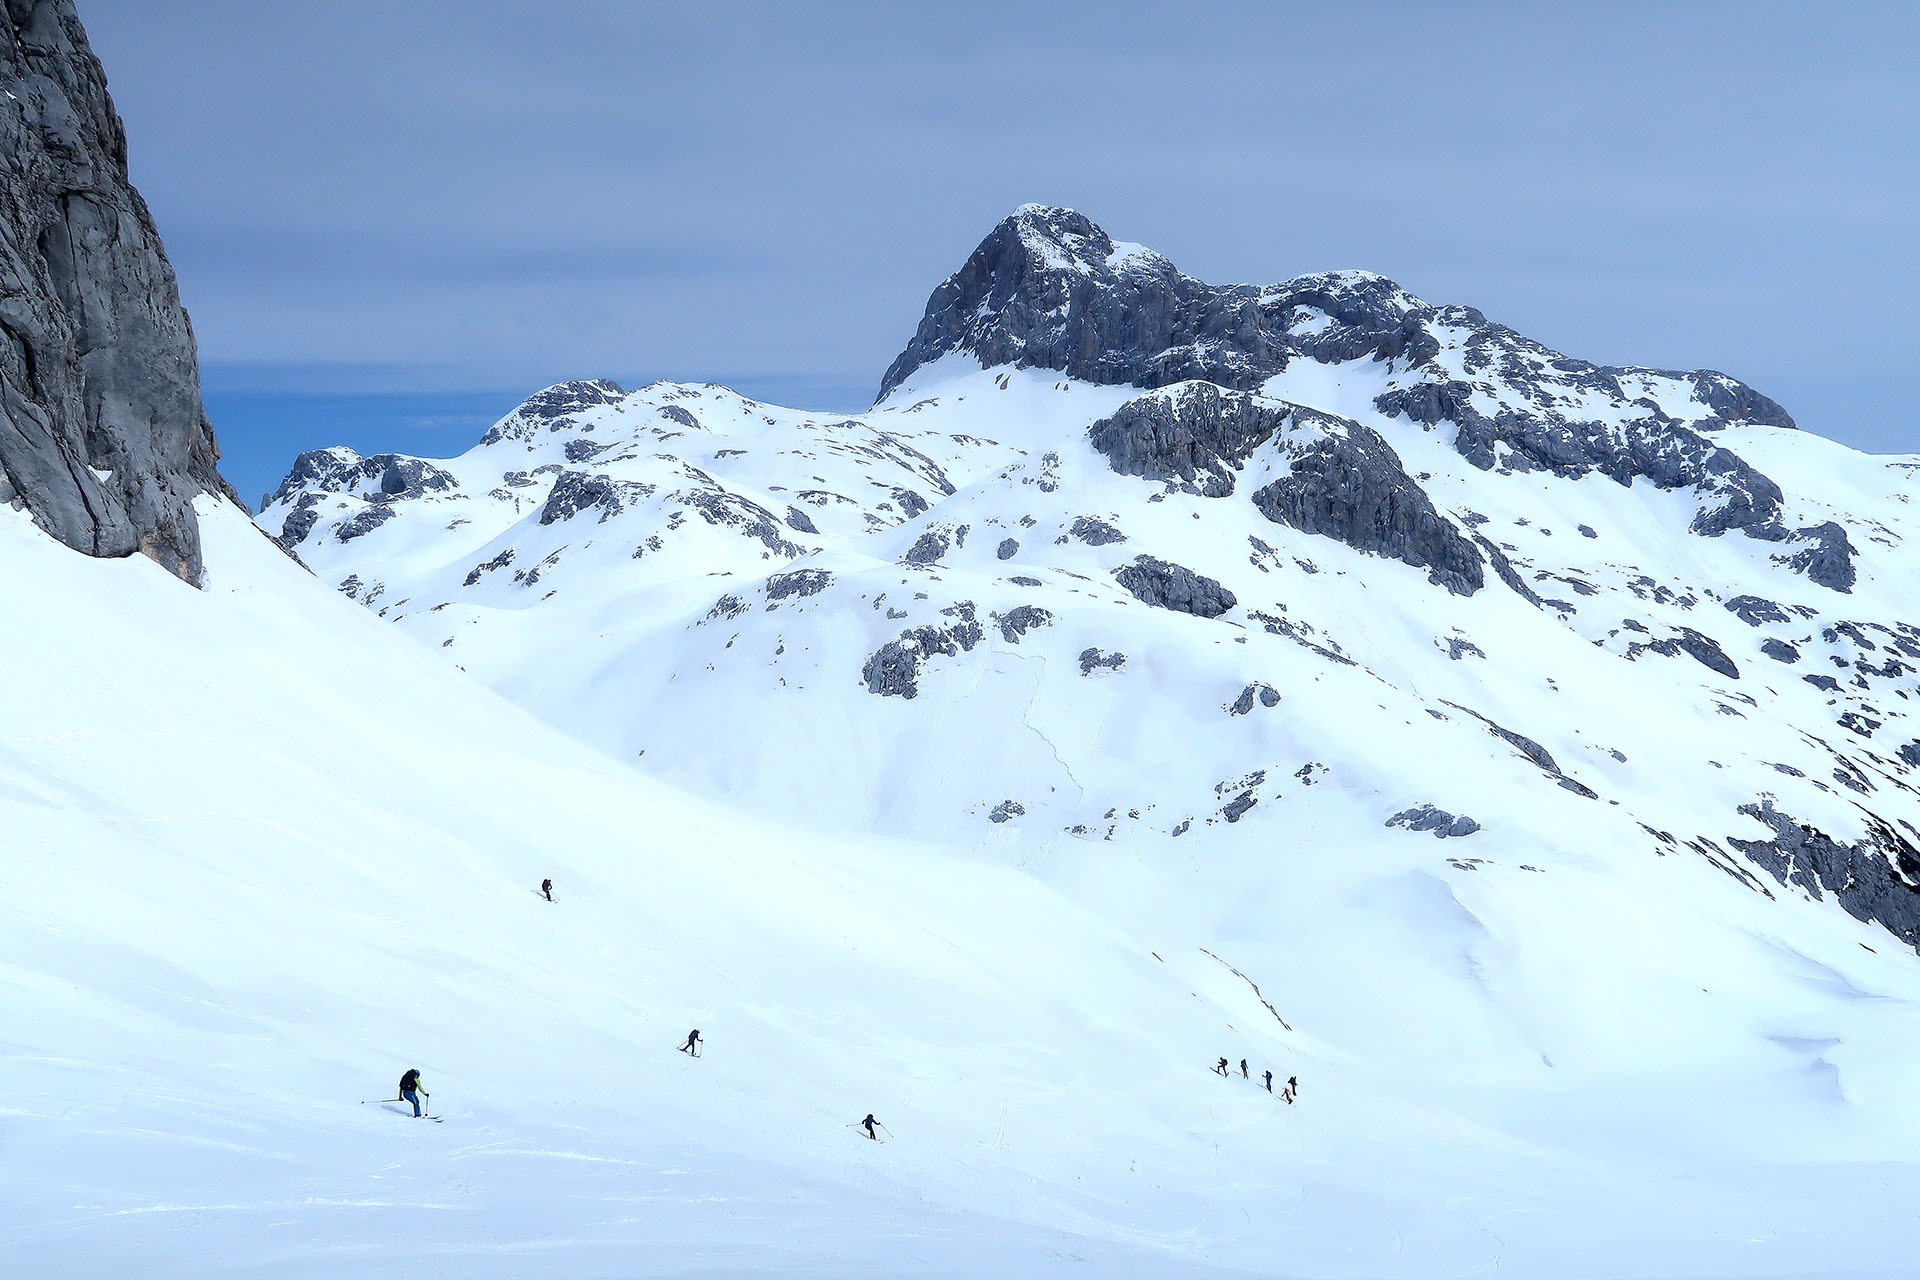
{"points": [[408, 1084], [546, 887]]}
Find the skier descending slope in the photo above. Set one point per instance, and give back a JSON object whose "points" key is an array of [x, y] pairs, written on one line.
{"points": [[868, 1125], [408, 1084], [692, 1047]]}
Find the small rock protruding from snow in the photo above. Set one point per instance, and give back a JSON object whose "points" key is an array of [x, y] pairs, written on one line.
{"points": [[1428, 817]]}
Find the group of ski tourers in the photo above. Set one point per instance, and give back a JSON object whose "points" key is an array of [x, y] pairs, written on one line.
{"points": [[1224, 1068], [410, 1090]]}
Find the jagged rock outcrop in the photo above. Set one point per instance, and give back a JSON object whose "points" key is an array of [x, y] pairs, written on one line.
{"points": [[341, 470], [1049, 289], [1166, 585], [103, 436], [1344, 481], [1428, 817], [557, 408], [893, 670], [1829, 560], [1198, 437], [1876, 879], [577, 491], [1349, 486]]}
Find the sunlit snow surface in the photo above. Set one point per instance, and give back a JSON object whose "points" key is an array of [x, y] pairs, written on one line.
{"points": [[265, 852]]}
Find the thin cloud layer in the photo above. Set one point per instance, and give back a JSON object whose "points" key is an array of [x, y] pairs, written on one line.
{"points": [[480, 198]]}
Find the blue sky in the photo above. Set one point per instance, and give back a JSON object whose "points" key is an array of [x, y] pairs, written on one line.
{"points": [[393, 220]]}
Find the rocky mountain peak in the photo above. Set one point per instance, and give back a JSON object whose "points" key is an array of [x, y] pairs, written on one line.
{"points": [[103, 437], [1049, 289]]}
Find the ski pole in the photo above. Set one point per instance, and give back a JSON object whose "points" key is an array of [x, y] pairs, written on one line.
{"points": [[365, 1101]]}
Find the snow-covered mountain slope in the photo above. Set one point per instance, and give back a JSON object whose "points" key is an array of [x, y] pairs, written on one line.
{"points": [[1204, 574], [264, 853]]}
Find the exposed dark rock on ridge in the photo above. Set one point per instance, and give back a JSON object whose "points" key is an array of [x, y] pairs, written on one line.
{"points": [[1198, 436], [1350, 487], [1427, 817], [1166, 585], [103, 435], [1874, 880], [1652, 446], [1829, 561], [1049, 289], [1345, 483], [893, 670], [341, 470], [554, 408]]}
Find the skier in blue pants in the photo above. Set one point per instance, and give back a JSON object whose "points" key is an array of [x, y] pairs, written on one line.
{"points": [[408, 1084]]}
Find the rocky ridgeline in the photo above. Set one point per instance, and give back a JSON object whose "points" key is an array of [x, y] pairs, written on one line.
{"points": [[1048, 289], [102, 433], [1241, 517]]}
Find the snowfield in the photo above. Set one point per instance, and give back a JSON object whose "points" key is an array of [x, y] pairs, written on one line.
{"points": [[1521, 753], [265, 853]]}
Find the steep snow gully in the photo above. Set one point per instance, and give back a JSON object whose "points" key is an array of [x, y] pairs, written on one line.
{"points": [[1519, 752]]}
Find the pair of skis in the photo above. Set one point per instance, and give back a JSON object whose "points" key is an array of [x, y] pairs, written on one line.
{"points": [[436, 1119]]}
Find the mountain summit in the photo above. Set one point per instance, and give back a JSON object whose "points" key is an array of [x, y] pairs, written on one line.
{"points": [[1049, 289], [1226, 567]]}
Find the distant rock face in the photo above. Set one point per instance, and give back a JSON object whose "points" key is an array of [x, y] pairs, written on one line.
{"points": [[1427, 817], [1873, 879], [1049, 289], [1166, 585], [1198, 438], [1349, 486], [1345, 481], [102, 433], [341, 470], [557, 407]]}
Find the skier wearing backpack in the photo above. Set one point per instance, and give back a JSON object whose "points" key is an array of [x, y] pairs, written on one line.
{"points": [[1221, 1066], [692, 1047], [1293, 1086], [1269, 1082], [546, 887], [1243, 1070], [409, 1083], [868, 1124]]}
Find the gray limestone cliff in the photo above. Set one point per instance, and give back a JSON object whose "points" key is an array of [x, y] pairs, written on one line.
{"points": [[1343, 481], [103, 437], [1048, 289]]}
